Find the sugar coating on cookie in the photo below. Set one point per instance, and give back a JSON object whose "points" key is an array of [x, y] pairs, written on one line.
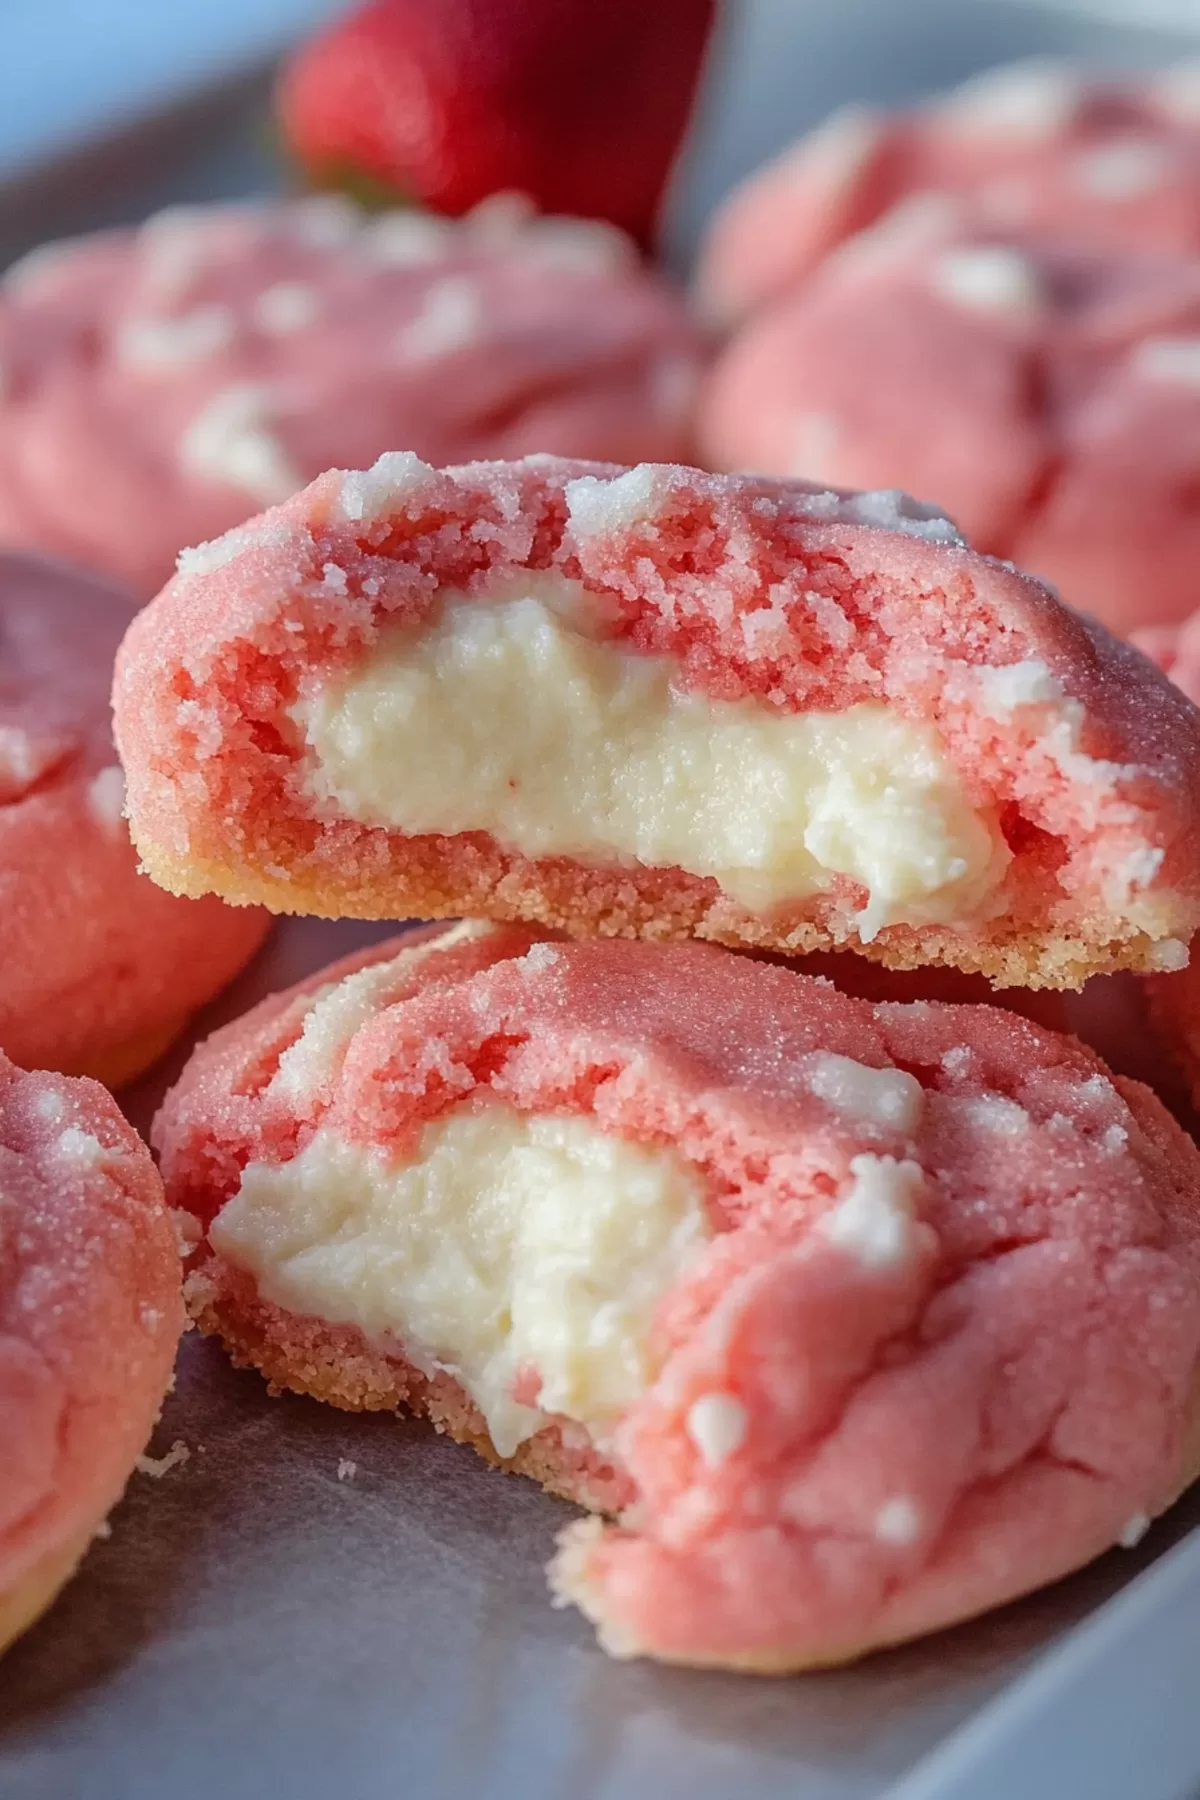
{"points": [[1046, 394], [1033, 147], [661, 703], [163, 384], [860, 1318], [100, 968], [90, 1314]]}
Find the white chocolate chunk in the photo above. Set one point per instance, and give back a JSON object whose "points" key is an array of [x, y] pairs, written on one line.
{"points": [[582, 246], [1169, 359], [876, 1219], [991, 1113], [230, 442], [508, 1243], [163, 344], [507, 716], [340, 1008], [81, 1147], [404, 237], [1006, 686], [451, 318], [1031, 99], [989, 278], [106, 800], [370, 494], [716, 1424], [999, 691], [893, 510], [888, 1097], [539, 957], [598, 504], [324, 221], [1124, 169], [898, 1521], [172, 246], [500, 219], [287, 306], [26, 756]]}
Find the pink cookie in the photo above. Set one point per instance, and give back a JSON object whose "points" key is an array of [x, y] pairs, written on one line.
{"points": [[1176, 650], [163, 384], [1031, 147], [1047, 397], [89, 1318], [659, 703], [100, 967], [861, 1318]]}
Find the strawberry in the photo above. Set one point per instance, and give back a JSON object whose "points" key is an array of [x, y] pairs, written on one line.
{"points": [[580, 104]]}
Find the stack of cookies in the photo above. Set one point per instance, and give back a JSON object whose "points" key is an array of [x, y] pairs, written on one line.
{"points": [[717, 1153], [852, 1315]]}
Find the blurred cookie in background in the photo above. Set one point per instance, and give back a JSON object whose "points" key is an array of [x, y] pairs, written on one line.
{"points": [[163, 384], [1035, 146], [1045, 393]]}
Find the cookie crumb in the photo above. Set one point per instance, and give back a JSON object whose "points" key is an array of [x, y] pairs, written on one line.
{"points": [[158, 1466], [1134, 1530]]}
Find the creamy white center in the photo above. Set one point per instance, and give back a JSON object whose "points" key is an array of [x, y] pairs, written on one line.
{"points": [[507, 1244], [508, 716]]}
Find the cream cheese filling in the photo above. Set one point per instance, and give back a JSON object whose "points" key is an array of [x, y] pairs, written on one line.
{"points": [[506, 1244], [508, 715]]}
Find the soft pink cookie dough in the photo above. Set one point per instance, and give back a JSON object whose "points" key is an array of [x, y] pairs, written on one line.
{"points": [[163, 384], [932, 1339], [1048, 397], [90, 1315], [1035, 146], [99, 968], [977, 727]]}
